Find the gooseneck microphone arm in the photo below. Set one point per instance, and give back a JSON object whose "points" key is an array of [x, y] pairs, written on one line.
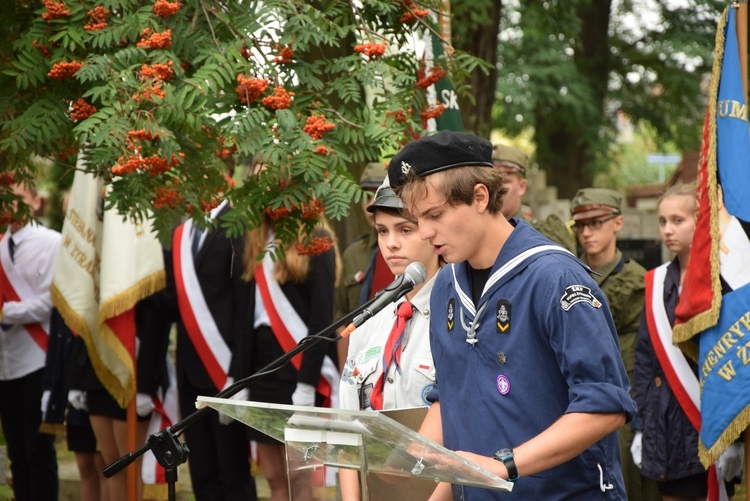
{"points": [[170, 452]]}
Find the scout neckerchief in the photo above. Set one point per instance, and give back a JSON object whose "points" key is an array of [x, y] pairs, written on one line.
{"points": [[15, 288], [199, 323], [468, 303], [289, 329]]}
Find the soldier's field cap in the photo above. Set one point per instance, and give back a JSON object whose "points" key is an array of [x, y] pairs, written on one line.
{"points": [[373, 175], [510, 159], [442, 151], [590, 203], [385, 198]]}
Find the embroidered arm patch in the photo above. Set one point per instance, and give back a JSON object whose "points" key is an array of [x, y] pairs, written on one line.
{"points": [[575, 294]]}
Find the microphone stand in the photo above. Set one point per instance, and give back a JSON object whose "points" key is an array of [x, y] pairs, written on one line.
{"points": [[170, 452]]}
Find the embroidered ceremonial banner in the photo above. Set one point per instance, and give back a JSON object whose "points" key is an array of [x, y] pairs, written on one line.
{"points": [[104, 267], [708, 326]]}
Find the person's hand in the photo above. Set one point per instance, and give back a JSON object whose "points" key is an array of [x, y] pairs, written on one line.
{"points": [[144, 404], [45, 403], [730, 463], [304, 395], [243, 394], [636, 449], [77, 399]]}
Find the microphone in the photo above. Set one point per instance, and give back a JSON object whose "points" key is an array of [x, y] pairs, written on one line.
{"points": [[415, 274]]}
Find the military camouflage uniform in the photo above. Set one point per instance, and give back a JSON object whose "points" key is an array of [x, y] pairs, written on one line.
{"points": [[355, 259], [553, 228], [622, 282]]}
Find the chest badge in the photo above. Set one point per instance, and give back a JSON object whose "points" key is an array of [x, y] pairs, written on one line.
{"points": [[451, 314], [502, 316]]}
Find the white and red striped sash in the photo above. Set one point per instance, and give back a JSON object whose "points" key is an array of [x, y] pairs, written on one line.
{"points": [[290, 329], [15, 288], [682, 380], [199, 323], [165, 414]]}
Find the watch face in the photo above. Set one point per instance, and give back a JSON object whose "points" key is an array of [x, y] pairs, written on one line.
{"points": [[504, 454]]}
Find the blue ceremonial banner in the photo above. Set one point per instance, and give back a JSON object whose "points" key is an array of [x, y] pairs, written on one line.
{"points": [[724, 341], [732, 131]]}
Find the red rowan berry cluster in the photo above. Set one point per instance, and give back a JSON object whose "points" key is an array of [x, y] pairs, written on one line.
{"points": [[279, 100], [225, 152], [97, 19], [312, 209], [231, 182], [316, 247], [412, 13], [165, 9], [7, 178], [42, 48], [435, 74], [208, 206], [153, 165], [150, 40], [166, 196], [322, 150], [371, 50], [149, 92], [317, 126], [399, 116], [250, 89], [64, 69], [55, 10], [81, 110], [245, 52], [158, 71], [69, 152], [142, 135], [285, 56], [433, 111], [280, 213]]}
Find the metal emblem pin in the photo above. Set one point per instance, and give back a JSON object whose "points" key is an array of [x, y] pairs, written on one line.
{"points": [[501, 357]]}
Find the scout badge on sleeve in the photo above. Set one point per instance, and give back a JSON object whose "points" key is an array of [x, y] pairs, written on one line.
{"points": [[503, 316], [575, 294], [451, 316]]}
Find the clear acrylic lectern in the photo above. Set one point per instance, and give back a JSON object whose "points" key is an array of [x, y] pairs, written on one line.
{"points": [[369, 442]]}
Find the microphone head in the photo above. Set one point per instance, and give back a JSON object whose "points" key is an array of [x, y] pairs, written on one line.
{"points": [[416, 273]]}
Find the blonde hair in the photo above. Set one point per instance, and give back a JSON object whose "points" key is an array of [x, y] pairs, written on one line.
{"points": [[294, 267], [681, 190]]}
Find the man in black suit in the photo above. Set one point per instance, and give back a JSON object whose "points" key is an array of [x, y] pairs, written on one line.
{"points": [[211, 309]]}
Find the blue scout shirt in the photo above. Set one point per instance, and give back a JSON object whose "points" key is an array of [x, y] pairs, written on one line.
{"points": [[544, 345]]}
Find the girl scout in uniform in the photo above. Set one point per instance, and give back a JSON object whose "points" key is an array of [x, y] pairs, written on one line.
{"points": [[389, 362]]}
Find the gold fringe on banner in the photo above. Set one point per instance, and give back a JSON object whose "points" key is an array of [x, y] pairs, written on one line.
{"points": [[683, 334]]}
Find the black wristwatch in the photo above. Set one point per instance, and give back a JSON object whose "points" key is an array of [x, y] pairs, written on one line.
{"points": [[506, 456]]}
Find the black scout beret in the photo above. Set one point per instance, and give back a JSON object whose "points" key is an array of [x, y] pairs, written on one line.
{"points": [[444, 150]]}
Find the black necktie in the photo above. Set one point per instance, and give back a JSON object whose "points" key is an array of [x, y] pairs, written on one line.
{"points": [[12, 250]]}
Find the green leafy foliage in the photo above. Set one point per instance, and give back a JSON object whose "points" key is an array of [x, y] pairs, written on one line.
{"points": [[166, 97], [568, 69]]}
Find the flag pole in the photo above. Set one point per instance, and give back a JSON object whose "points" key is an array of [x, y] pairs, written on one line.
{"points": [[741, 27]]}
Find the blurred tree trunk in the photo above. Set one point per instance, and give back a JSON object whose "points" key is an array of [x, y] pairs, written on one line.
{"points": [[564, 148], [475, 27]]}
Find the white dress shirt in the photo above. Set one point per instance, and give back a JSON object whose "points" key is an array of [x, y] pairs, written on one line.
{"points": [[34, 259], [364, 361]]}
